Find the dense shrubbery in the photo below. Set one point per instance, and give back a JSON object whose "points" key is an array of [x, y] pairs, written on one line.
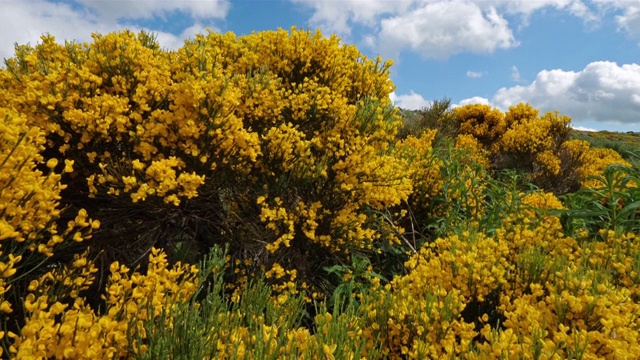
{"points": [[126, 169], [274, 143], [539, 146]]}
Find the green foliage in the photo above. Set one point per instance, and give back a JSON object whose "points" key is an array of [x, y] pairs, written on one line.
{"points": [[469, 197], [615, 205], [255, 326], [353, 279], [182, 329]]}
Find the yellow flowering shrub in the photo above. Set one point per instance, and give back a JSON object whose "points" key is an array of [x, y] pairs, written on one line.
{"points": [[608, 197], [621, 254], [536, 132], [455, 286], [532, 143], [474, 149], [576, 310], [472, 264], [276, 142], [561, 291], [529, 291], [520, 113], [31, 188], [449, 185], [414, 319], [537, 144], [423, 167]]}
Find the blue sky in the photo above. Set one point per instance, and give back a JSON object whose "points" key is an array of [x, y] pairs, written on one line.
{"points": [[580, 57]]}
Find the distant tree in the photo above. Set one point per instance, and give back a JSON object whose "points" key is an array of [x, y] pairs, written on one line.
{"points": [[436, 116]]}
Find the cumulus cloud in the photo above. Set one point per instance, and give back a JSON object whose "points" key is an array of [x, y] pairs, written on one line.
{"points": [[78, 21], [630, 21], [473, 100], [527, 8], [411, 101], [603, 91], [435, 28], [441, 29], [340, 16], [628, 18], [57, 19], [146, 9], [474, 74]]}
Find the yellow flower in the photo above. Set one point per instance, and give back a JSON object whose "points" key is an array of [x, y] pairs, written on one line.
{"points": [[328, 351], [68, 166], [5, 307], [52, 163]]}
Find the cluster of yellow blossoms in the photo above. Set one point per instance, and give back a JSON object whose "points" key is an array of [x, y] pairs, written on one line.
{"points": [[70, 328], [527, 292], [29, 206]]}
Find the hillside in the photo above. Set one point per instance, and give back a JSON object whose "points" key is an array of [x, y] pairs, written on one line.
{"points": [[627, 144]]}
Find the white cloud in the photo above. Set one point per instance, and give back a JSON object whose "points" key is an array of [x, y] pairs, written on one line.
{"points": [[146, 9], [527, 8], [411, 101], [628, 18], [603, 91], [630, 21], [67, 22], [433, 28], [515, 73], [474, 74], [473, 100], [339, 16], [57, 19], [441, 29]]}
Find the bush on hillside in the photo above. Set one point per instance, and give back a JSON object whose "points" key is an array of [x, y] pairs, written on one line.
{"points": [[540, 146], [276, 143]]}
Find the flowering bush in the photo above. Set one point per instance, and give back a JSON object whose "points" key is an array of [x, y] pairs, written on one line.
{"points": [[482, 122], [275, 142], [528, 291], [538, 145]]}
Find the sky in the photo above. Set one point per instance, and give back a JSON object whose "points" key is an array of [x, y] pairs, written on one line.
{"points": [[578, 57]]}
